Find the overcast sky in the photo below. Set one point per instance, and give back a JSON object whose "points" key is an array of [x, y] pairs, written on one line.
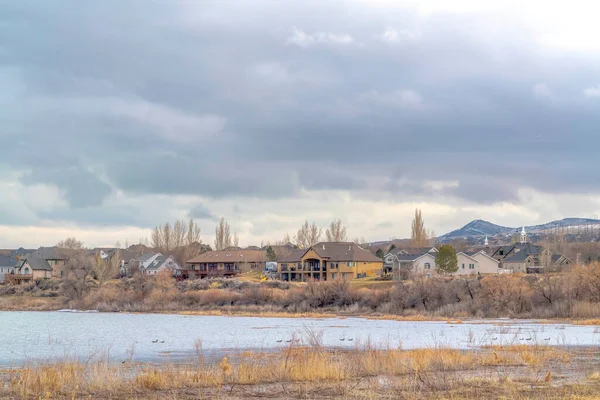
{"points": [[117, 116]]}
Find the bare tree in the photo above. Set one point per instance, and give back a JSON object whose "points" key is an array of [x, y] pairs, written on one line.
{"points": [[156, 239], [418, 231], [222, 235], [360, 240], [308, 235], [193, 233], [105, 270], [126, 244], [236, 240], [70, 243], [178, 234], [336, 232], [167, 236]]}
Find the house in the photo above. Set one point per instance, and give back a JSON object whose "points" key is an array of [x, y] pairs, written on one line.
{"points": [[130, 261], [163, 263], [407, 263], [43, 263], [467, 265], [487, 264], [526, 257], [7, 266], [391, 257], [31, 268], [329, 261], [224, 263]]}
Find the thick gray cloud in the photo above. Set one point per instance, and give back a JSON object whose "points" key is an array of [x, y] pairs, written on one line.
{"points": [[270, 99]]}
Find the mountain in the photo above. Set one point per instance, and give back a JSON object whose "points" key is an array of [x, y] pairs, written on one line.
{"points": [[479, 228]]}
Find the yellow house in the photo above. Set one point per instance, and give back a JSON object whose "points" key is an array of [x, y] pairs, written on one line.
{"points": [[328, 261]]}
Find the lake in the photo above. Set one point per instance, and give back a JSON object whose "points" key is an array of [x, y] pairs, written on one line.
{"points": [[46, 336]]}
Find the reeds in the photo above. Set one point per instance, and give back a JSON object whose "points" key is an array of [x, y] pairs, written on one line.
{"points": [[293, 365]]}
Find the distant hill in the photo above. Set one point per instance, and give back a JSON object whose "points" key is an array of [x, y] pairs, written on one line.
{"points": [[479, 228]]}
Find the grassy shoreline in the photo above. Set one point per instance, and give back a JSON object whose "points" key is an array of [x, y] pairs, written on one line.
{"points": [[525, 371]]}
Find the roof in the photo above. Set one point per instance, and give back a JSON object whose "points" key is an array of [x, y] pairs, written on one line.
{"points": [[158, 262], [6, 261], [344, 251], [145, 257], [37, 263], [483, 253], [228, 256], [46, 253], [521, 256]]}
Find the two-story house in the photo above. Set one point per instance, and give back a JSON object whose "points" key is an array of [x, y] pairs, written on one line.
{"points": [[329, 261]]}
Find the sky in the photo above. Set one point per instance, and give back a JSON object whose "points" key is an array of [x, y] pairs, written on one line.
{"points": [[118, 116]]}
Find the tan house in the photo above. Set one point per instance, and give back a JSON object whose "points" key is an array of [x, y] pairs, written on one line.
{"points": [[224, 263], [44, 263], [328, 261], [487, 264]]}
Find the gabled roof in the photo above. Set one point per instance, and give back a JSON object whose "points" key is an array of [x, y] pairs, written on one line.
{"points": [[344, 251], [160, 260], [47, 253], [38, 264], [414, 257], [466, 255], [521, 256], [145, 257], [483, 253]]}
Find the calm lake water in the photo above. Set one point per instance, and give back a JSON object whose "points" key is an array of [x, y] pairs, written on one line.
{"points": [[45, 336]]}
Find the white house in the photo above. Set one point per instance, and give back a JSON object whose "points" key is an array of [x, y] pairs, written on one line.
{"points": [[467, 265], [163, 263]]}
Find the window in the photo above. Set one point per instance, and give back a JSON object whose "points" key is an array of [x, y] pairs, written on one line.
{"points": [[427, 266], [501, 252], [471, 266], [463, 266]]}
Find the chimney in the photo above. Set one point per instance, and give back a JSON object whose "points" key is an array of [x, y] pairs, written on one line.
{"points": [[323, 246], [349, 247]]}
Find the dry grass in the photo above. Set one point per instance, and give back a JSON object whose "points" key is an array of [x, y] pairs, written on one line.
{"points": [[309, 366]]}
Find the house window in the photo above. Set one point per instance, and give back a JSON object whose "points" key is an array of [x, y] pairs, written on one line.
{"points": [[471, 266], [427, 266], [501, 252], [463, 266]]}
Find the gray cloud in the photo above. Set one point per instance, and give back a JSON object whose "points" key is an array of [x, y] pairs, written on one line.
{"points": [[200, 99]]}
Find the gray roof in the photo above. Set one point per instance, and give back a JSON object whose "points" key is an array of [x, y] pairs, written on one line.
{"points": [[146, 257], [412, 257], [6, 261], [521, 256], [46, 253], [37, 263], [343, 251]]}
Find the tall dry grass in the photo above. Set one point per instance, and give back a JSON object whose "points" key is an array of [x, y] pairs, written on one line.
{"points": [[293, 364]]}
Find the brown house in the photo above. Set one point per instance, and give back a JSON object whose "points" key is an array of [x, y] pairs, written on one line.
{"points": [[328, 261], [224, 263]]}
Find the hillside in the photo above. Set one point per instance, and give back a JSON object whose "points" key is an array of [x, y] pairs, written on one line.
{"points": [[480, 228]]}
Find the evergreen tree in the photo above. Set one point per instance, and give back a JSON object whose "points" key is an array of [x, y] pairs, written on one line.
{"points": [[271, 256], [446, 261]]}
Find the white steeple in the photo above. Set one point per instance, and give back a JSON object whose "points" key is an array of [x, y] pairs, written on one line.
{"points": [[523, 236], [486, 243]]}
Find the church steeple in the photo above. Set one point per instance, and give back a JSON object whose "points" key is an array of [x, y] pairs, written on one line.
{"points": [[523, 236]]}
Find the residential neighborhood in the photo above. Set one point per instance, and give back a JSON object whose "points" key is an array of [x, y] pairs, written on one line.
{"points": [[323, 261]]}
